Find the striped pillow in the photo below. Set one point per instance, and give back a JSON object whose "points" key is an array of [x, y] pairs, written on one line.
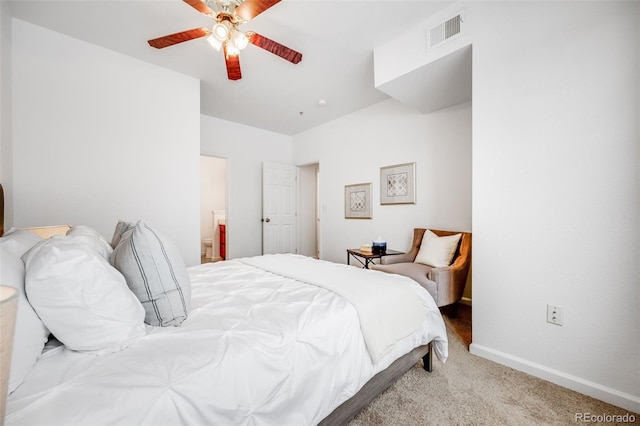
{"points": [[155, 273], [121, 228]]}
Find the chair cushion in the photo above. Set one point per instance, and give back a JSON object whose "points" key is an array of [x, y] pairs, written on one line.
{"points": [[437, 251]]}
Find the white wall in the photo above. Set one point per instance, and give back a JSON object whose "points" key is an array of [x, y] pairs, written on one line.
{"points": [[245, 148], [6, 145], [556, 215], [353, 148], [98, 136]]}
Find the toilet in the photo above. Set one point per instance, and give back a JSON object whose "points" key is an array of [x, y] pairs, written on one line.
{"points": [[208, 245]]}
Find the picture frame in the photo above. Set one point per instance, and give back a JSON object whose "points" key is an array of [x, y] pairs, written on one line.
{"points": [[398, 184], [357, 201]]}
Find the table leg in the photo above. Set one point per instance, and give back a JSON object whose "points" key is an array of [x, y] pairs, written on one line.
{"points": [[364, 264]]}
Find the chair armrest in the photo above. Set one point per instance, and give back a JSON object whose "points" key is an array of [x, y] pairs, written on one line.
{"points": [[397, 258], [456, 268], [450, 280], [441, 275]]}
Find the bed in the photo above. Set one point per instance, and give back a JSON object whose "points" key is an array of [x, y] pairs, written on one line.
{"points": [[263, 343]]}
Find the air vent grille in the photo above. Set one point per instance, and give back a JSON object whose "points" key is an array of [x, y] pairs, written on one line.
{"points": [[445, 31]]}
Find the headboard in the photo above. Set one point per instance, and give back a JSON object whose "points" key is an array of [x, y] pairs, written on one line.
{"points": [[49, 231]]}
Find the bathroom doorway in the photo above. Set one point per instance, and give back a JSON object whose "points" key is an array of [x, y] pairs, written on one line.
{"points": [[213, 208]]}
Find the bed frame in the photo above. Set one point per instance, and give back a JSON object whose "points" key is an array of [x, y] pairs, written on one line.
{"points": [[348, 409], [378, 384]]}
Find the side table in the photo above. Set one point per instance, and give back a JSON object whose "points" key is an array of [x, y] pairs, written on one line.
{"points": [[366, 258]]}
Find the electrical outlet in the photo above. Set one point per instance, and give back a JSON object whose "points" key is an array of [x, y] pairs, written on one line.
{"points": [[555, 314]]}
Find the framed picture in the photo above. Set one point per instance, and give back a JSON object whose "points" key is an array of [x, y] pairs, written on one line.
{"points": [[398, 184], [357, 201]]}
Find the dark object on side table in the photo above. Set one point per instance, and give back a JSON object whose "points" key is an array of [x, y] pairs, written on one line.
{"points": [[378, 247]]}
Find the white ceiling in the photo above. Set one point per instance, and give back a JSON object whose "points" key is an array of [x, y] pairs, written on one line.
{"points": [[336, 39]]}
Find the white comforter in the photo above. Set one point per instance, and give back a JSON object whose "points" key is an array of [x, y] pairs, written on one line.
{"points": [[402, 312], [257, 349]]}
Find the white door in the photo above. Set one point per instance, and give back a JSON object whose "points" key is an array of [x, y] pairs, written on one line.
{"points": [[278, 208]]}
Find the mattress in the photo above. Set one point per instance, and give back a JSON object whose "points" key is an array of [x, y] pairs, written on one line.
{"points": [[258, 348]]}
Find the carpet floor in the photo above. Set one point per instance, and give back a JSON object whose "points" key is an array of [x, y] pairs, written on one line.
{"points": [[469, 390]]}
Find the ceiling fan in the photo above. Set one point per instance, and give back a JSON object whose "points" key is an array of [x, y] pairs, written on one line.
{"points": [[228, 15]]}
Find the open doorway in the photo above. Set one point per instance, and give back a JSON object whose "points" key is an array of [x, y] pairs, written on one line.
{"points": [[309, 210], [213, 208]]}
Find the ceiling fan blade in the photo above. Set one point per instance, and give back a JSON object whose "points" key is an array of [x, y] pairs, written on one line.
{"points": [[233, 65], [201, 7], [249, 9], [274, 47], [171, 39]]}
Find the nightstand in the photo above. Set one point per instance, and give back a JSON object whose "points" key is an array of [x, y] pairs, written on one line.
{"points": [[366, 258]]}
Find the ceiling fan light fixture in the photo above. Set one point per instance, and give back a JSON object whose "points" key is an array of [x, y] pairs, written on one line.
{"points": [[214, 42], [239, 39], [224, 34], [220, 31], [230, 48]]}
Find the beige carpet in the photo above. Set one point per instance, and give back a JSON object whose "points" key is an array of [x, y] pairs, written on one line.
{"points": [[469, 390]]}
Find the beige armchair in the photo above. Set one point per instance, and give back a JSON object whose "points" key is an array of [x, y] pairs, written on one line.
{"points": [[445, 284]]}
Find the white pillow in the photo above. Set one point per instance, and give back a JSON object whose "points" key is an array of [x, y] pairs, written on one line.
{"points": [[30, 334], [80, 297], [155, 273], [93, 238], [437, 251], [18, 241]]}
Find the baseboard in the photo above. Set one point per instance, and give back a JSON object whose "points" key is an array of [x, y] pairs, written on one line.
{"points": [[594, 390], [465, 301]]}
